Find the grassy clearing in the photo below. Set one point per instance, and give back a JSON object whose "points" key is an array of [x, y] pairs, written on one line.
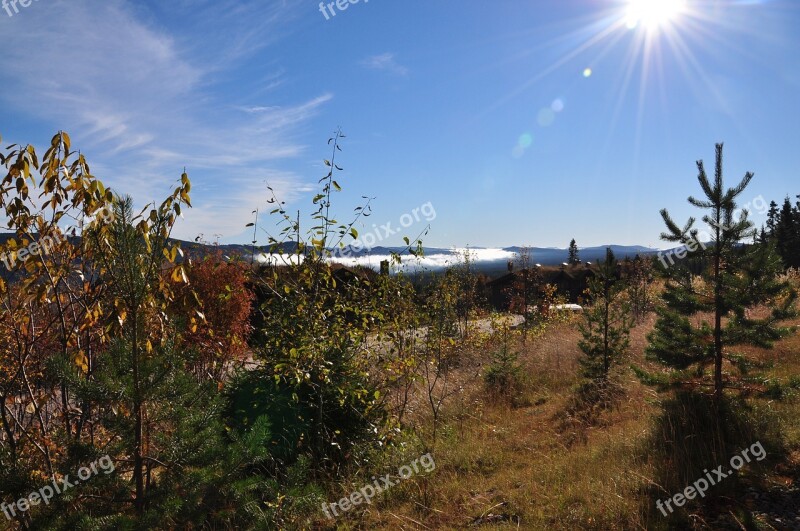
{"points": [[531, 467]]}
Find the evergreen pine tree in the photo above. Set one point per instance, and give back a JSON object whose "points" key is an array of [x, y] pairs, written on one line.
{"points": [[573, 253], [176, 466], [735, 279], [503, 376], [607, 328], [795, 235], [638, 280], [772, 217], [787, 234], [197, 473]]}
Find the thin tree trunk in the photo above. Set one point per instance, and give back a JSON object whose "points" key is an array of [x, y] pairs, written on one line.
{"points": [[606, 354], [138, 475], [717, 313]]}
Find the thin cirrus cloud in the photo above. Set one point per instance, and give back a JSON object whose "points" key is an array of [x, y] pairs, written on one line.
{"points": [[385, 62], [140, 101]]}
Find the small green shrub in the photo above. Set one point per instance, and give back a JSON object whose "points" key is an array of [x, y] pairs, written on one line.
{"points": [[503, 377]]}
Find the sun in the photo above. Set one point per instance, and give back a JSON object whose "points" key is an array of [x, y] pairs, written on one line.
{"points": [[653, 14]]}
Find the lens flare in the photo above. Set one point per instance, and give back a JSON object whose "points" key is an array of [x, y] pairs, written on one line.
{"points": [[546, 117]]}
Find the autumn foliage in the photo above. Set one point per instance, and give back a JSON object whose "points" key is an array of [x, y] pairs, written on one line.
{"points": [[223, 301]]}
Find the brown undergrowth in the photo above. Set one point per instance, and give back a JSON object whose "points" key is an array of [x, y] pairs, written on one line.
{"points": [[531, 466]]}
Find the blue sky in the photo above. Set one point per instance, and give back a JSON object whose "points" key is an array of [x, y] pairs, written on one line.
{"points": [[484, 110]]}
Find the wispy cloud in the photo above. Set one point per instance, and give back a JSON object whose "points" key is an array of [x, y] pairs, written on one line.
{"points": [[140, 100], [243, 194], [385, 62]]}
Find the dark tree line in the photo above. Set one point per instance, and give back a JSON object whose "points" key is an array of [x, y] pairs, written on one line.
{"points": [[783, 230]]}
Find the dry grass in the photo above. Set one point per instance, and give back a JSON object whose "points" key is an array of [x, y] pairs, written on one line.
{"points": [[500, 467]]}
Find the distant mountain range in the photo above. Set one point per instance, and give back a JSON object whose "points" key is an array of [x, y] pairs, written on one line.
{"points": [[553, 256], [491, 261], [541, 255]]}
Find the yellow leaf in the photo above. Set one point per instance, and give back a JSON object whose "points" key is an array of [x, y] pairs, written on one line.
{"points": [[177, 274], [82, 361]]}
